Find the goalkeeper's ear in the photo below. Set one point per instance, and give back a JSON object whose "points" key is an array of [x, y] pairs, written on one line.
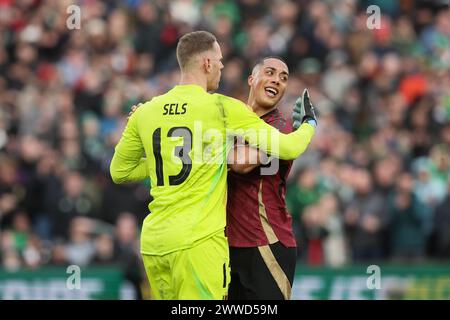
{"points": [[207, 64]]}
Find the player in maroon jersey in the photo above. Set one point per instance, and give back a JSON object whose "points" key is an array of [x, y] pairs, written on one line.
{"points": [[259, 227]]}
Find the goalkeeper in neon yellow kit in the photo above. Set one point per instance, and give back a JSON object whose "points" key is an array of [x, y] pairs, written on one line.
{"points": [[180, 139]]}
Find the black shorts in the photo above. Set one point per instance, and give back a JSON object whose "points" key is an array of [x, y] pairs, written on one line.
{"points": [[264, 273]]}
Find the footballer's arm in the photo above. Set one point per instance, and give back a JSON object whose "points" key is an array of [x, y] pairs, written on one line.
{"points": [[268, 139], [128, 164]]}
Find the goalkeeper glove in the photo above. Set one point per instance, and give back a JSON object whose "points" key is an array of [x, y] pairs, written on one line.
{"points": [[304, 111]]}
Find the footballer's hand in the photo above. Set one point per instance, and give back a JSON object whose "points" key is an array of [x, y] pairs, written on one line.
{"points": [[133, 109], [304, 111]]}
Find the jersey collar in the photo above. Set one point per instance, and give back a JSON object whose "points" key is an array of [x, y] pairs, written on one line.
{"points": [[195, 87]]}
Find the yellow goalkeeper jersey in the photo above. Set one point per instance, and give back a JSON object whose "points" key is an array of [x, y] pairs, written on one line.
{"points": [[180, 140]]}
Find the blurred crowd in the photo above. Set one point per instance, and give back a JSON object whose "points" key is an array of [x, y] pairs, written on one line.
{"points": [[373, 185]]}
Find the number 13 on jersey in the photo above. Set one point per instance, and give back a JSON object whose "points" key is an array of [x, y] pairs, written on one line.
{"points": [[181, 152]]}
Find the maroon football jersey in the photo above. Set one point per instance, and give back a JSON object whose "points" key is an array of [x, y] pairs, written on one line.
{"points": [[256, 208]]}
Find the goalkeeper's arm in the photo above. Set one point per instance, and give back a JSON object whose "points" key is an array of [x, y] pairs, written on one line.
{"points": [[128, 163], [243, 122]]}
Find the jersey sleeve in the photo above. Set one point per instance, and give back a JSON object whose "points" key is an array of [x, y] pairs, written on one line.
{"points": [[128, 164], [242, 121]]}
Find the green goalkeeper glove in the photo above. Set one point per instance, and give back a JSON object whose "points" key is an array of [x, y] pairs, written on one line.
{"points": [[304, 111]]}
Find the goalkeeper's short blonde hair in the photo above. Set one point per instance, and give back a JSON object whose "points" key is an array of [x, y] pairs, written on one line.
{"points": [[191, 44]]}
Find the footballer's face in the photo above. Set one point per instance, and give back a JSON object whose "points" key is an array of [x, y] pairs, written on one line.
{"points": [[268, 82], [213, 66]]}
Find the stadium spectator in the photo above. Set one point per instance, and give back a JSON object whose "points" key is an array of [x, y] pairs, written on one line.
{"points": [[365, 219], [408, 219], [126, 249], [313, 235], [334, 245], [80, 249], [441, 225], [104, 250], [74, 200], [9, 199], [306, 191]]}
